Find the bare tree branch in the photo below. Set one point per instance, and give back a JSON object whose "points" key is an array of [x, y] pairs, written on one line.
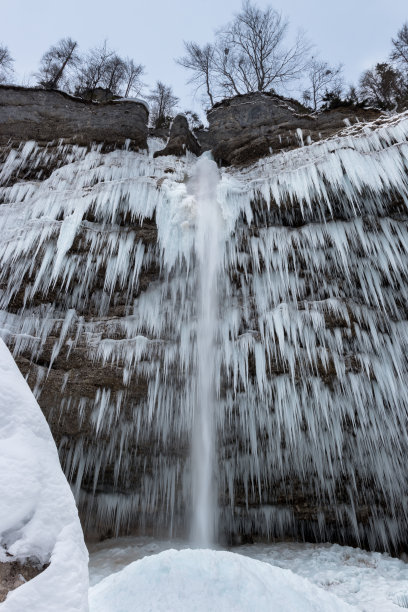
{"points": [[163, 102], [133, 73], [248, 55], [323, 79], [200, 60], [92, 71], [383, 86], [399, 52], [6, 64], [55, 62]]}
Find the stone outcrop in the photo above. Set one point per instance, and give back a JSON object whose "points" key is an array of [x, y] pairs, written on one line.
{"points": [[241, 129], [244, 128], [181, 139], [14, 574], [46, 116]]}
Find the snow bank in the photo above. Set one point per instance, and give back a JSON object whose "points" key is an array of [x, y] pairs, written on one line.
{"points": [[38, 517], [202, 580], [371, 581]]}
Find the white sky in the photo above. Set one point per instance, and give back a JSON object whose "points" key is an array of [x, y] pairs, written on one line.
{"points": [[356, 33]]}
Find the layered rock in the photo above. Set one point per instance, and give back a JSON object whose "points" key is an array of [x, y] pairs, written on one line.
{"points": [[48, 116], [244, 128]]}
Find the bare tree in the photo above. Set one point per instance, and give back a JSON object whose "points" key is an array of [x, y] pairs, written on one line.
{"points": [[104, 68], [194, 121], [249, 55], [163, 102], [113, 74], [352, 95], [56, 61], [6, 64], [200, 60], [323, 79], [399, 53], [383, 86], [92, 71], [132, 77], [258, 59]]}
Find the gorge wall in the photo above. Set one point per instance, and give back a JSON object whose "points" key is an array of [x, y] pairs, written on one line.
{"points": [[98, 285]]}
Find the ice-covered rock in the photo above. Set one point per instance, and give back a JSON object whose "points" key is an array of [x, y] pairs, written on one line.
{"points": [[39, 521], [98, 300]]}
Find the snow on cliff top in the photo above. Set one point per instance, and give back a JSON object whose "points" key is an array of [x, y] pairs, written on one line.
{"points": [[202, 580], [38, 517]]}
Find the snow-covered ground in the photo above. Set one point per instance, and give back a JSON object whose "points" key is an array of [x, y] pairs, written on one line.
{"points": [[202, 580], [371, 582], [39, 521]]}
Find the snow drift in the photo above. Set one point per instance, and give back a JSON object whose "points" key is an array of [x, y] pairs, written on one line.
{"points": [[202, 580], [38, 517]]}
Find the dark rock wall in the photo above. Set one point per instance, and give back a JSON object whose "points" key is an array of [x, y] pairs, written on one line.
{"points": [[244, 128], [44, 116]]}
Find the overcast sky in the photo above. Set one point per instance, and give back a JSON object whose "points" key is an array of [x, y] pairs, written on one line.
{"points": [[356, 33]]}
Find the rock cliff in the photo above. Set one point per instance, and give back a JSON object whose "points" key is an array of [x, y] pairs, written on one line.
{"points": [[244, 128], [49, 116], [97, 300]]}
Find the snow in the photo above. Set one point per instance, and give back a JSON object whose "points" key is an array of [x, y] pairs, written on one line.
{"points": [[136, 100], [38, 517], [370, 581], [202, 580]]}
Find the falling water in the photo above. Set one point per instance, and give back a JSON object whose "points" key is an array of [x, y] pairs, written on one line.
{"points": [[208, 259]]}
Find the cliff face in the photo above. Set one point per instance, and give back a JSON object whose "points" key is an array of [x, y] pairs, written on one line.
{"points": [[48, 116], [244, 128], [98, 286]]}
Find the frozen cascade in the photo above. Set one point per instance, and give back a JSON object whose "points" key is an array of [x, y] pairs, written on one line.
{"points": [[98, 286], [208, 249]]}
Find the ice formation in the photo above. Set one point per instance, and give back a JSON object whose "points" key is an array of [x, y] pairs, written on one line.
{"points": [[310, 367], [39, 521]]}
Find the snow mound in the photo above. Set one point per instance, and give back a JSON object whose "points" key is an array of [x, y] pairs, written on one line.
{"points": [[202, 580], [38, 517]]}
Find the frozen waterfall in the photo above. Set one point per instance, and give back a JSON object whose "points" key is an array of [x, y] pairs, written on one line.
{"points": [[304, 368]]}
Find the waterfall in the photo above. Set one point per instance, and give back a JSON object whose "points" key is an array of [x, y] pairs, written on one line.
{"points": [[206, 177], [107, 302]]}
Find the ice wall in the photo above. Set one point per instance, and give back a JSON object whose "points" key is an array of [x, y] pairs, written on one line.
{"points": [[310, 362]]}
